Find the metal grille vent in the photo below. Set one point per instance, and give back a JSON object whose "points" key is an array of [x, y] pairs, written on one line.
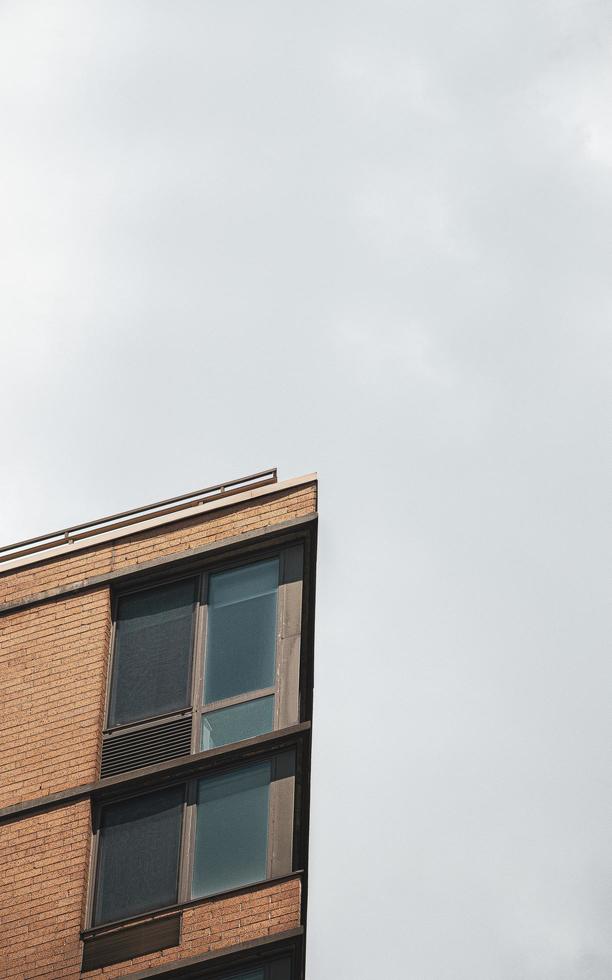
{"points": [[121, 753]]}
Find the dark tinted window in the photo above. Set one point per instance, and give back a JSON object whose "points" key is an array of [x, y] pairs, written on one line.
{"points": [[139, 855], [152, 662], [231, 845], [250, 974], [241, 631], [277, 969]]}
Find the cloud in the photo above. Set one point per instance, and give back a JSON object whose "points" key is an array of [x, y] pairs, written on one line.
{"points": [[369, 239]]}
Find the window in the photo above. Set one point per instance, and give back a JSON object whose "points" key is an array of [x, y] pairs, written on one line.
{"points": [[278, 968], [231, 836], [240, 655], [226, 725], [241, 636], [204, 661], [139, 855], [208, 835], [152, 666]]}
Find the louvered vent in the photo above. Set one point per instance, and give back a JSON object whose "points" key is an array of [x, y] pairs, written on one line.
{"points": [[121, 753]]}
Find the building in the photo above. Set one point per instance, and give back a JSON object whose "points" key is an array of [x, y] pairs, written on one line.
{"points": [[156, 674]]}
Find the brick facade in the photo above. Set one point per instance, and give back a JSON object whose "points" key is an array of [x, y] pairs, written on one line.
{"points": [[43, 871], [53, 675], [53, 663], [219, 923], [141, 547]]}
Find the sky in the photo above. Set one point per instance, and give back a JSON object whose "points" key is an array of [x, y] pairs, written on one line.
{"points": [[371, 239]]}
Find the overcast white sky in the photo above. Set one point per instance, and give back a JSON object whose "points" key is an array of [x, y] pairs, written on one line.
{"points": [[372, 239]]}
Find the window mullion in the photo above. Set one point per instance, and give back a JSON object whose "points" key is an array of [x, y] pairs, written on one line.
{"points": [[93, 866], [289, 637], [114, 604], [199, 656], [187, 841], [238, 699], [280, 814]]}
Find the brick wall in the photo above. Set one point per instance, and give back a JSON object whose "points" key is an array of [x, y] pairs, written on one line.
{"points": [[53, 660], [42, 878], [52, 682], [220, 923], [43, 870]]}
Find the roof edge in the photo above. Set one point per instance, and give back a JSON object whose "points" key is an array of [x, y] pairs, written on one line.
{"points": [[199, 507]]}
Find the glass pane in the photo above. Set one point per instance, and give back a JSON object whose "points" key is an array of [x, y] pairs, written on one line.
{"points": [[251, 974], [276, 970], [237, 722], [138, 857], [280, 969], [231, 844], [241, 644], [152, 661]]}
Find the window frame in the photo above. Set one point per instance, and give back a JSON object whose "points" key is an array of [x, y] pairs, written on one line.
{"points": [[282, 803], [98, 811], [200, 654], [288, 633], [116, 598]]}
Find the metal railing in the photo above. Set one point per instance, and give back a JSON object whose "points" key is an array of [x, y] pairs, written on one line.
{"points": [[124, 518]]}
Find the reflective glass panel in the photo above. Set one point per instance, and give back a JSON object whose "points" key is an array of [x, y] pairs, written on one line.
{"points": [[241, 630], [231, 841], [152, 659], [256, 974], [277, 969], [138, 857], [237, 722]]}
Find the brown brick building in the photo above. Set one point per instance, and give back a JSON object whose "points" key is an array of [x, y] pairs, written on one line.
{"points": [[156, 674]]}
